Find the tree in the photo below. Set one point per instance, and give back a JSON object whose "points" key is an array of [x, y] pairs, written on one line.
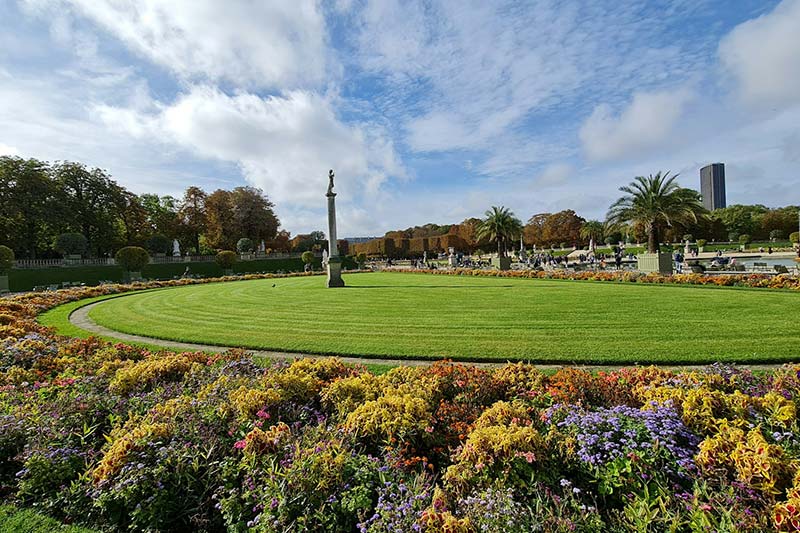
{"points": [[534, 229], [592, 230], [159, 244], [317, 236], [741, 218], [220, 224], [253, 216], [500, 226], [30, 218], [89, 204], [132, 214], [564, 226], [71, 244], [244, 245], [656, 202], [192, 215], [161, 213]]}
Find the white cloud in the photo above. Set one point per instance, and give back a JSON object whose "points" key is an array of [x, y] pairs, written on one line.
{"points": [[255, 44], [763, 55], [283, 144], [648, 122], [8, 150], [555, 174]]}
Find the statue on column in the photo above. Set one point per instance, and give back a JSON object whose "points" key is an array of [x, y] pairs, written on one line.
{"points": [[330, 184]]}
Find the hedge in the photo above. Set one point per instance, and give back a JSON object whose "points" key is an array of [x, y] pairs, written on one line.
{"points": [[26, 279]]}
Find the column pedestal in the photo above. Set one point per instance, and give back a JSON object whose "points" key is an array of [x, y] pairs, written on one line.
{"points": [[335, 272]]}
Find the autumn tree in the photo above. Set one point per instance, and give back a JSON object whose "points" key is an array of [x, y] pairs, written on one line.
{"points": [[564, 226], [253, 216], [220, 222]]}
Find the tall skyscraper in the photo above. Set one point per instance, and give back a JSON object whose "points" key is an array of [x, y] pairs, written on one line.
{"points": [[712, 186]]}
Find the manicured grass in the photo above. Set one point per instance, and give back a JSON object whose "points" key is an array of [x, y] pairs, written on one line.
{"points": [[13, 520], [470, 318]]}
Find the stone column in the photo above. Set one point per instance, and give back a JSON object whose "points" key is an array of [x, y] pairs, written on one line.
{"points": [[334, 261]]}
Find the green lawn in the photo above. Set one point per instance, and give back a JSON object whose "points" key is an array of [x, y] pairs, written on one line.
{"points": [[13, 520], [470, 318]]}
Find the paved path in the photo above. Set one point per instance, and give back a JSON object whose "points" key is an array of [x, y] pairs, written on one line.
{"points": [[80, 318]]}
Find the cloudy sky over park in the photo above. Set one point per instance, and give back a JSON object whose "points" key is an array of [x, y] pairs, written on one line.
{"points": [[428, 111]]}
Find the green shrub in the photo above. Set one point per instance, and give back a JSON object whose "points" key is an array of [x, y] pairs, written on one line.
{"points": [[307, 257], [688, 237], [132, 258], [795, 237], [744, 239], [361, 258], [71, 244], [776, 235], [701, 242], [6, 259], [159, 244], [226, 259], [244, 246], [733, 236]]}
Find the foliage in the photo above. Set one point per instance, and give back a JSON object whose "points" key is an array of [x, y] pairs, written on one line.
{"points": [[701, 242], [795, 237], [307, 256], [132, 258], [777, 235], [120, 438], [6, 259], [656, 202], [745, 239], [71, 244], [226, 259], [159, 244], [244, 246], [500, 226]]}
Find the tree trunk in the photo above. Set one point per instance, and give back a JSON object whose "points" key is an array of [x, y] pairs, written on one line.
{"points": [[499, 247], [653, 240]]}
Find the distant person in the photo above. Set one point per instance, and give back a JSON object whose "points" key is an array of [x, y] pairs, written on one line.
{"points": [[186, 273], [618, 260], [769, 250]]}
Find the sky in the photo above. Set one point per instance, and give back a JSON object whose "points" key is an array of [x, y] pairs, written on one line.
{"points": [[428, 111]]}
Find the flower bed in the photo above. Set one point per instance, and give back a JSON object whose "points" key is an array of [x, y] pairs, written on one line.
{"points": [[117, 437], [755, 281]]}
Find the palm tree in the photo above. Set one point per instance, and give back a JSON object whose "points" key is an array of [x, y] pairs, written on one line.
{"points": [[592, 230], [656, 202], [501, 226]]}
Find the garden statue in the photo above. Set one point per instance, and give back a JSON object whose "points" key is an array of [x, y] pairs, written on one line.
{"points": [[324, 258], [334, 261], [176, 248]]}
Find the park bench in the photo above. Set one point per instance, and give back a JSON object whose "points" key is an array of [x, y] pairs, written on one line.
{"points": [[760, 266], [780, 269]]}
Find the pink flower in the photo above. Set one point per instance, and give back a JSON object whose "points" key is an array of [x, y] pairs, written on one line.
{"points": [[240, 444]]}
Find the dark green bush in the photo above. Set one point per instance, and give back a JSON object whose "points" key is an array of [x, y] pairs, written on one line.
{"points": [[733, 236], [701, 242], [307, 256], [159, 244], [776, 235], [244, 246], [132, 258], [6, 259], [226, 259], [71, 244]]}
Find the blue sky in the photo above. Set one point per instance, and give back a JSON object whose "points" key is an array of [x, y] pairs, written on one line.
{"points": [[429, 111]]}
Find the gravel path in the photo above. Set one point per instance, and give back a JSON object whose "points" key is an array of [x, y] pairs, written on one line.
{"points": [[80, 318]]}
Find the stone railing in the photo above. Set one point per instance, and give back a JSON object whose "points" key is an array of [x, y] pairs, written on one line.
{"points": [[158, 259]]}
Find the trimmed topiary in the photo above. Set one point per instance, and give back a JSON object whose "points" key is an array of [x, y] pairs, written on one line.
{"points": [[71, 244], [307, 257], [226, 259], [744, 239], [6, 259], [795, 237], [132, 258]]}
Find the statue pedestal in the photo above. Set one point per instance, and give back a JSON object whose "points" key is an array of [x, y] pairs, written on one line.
{"points": [[335, 272]]}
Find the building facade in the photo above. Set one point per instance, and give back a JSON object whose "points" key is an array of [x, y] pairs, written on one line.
{"points": [[712, 186]]}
